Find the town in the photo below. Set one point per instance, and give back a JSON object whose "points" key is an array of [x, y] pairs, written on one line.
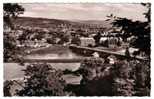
{"points": [[56, 57]]}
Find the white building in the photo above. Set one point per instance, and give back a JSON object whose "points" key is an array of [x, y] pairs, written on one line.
{"points": [[85, 41]]}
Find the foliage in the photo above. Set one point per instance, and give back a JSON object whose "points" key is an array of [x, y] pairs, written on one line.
{"points": [[142, 78], [127, 53], [51, 40], [95, 77], [141, 30], [97, 38], [131, 78], [11, 11], [147, 14], [7, 87], [89, 67], [105, 43], [76, 40], [123, 78], [43, 80], [64, 38], [11, 51], [122, 85], [39, 36], [9, 44]]}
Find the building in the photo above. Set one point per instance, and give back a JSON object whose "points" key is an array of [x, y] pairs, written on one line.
{"points": [[85, 41]]}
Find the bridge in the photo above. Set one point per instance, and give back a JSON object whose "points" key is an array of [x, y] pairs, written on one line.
{"points": [[85, 52], [104, 53], [74, 60]]}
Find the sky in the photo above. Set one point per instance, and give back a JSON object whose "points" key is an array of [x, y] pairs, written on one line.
{"points": [[84, 11]]}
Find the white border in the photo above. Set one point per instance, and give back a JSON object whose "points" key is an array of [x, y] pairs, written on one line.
{"points": [[1, 49], [71, 1], [75, 1]]}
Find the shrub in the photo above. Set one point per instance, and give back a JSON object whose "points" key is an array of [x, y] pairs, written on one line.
{"points": [[122, 84], [123, 78], [142, 78], [96, 80], [7, 87], [42, 80]]}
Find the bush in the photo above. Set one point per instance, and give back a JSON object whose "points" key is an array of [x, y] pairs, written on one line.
{"points": [[131, 78], [142, 78], [12, 53], [76, 40], [123, 85], [43, 80], [123, 78], [7, 87], [51, 40], [96, 79]]}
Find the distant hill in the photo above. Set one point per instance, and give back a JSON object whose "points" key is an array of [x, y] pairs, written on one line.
{"points": [[40, 22], [49, 23], [102, 23]]}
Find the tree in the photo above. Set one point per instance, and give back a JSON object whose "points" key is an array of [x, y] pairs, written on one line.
{"points": [[97, 38], [106, 43], [142, 78], [96, 78], [123, 84], [10, 12], [104, 79], [76, 40], [43, 80], [64, 38], [123, 78], [7, 87], [131, 78], [147, 14], [141, 30], [127, 53], [51, 40]]}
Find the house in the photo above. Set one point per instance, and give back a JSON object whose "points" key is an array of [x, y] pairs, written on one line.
{"points": [[86, 41]]}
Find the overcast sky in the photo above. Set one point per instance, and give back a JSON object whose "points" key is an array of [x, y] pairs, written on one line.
{"points": [[84, 11]]}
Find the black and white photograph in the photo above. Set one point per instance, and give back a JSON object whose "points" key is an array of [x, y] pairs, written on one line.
{"points": [[76, 49]]}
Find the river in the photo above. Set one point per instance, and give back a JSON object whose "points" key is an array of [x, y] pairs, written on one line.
{"points": [[14, 70]]}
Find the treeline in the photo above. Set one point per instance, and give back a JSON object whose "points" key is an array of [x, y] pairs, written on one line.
{"points": [[99, 78]]}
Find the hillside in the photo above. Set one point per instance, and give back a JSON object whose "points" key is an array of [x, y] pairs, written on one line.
{"points": [[51, 23], [95, 22], [40, 22]]}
